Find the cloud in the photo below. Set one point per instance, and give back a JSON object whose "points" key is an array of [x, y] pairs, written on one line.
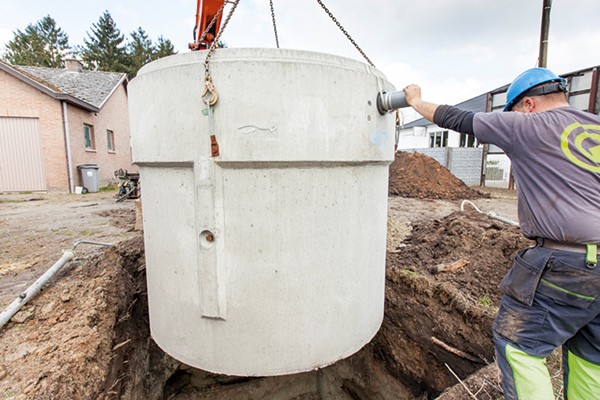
{"points": [[5, 36], [577, 51]]}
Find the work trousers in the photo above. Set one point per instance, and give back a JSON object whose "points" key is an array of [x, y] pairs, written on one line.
{"points": [[551, 299]]}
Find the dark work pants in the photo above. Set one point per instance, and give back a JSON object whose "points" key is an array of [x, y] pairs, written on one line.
{"points": [[551, 299]]}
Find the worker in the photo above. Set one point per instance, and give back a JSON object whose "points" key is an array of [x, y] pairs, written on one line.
{"points": [[551, 292]]}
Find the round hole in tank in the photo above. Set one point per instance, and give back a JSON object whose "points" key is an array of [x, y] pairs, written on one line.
{"points": [[369, 102], [207, 239]]}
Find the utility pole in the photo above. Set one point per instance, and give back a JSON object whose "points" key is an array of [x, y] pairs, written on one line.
{"points": [[543, 57]]}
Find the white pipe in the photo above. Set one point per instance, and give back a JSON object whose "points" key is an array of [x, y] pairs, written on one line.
{"points": [[499, 218], [34, 289], [24, 297], [490, 214], [68, 146]]}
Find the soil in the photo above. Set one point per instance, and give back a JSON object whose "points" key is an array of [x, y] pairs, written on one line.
{"points": [[413, 174], [36, 228], [86, 335]]}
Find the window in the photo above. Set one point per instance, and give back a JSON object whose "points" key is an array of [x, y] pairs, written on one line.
{"points": [[438, 139], [110, 141], [467, 140], [88, 137]]}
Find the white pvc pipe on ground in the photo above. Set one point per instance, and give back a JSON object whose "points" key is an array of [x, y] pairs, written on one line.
{"points": [[490, 214], [24, 297], [34, 289]]}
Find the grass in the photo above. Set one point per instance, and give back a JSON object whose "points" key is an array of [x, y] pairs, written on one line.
{"points": [[409, 272], [485, 301], [554, 364], [87, 232], [12, 200], [108, 188]]}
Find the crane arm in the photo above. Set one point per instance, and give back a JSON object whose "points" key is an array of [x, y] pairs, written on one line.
{"points": [[206, 10]]}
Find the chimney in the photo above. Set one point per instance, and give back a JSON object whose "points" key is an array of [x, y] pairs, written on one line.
{"points": [[73, 65]]}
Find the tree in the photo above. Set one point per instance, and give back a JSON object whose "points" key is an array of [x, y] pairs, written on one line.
{"points": [[163, 48], [140, 51], [104, 49], [41, 45]]}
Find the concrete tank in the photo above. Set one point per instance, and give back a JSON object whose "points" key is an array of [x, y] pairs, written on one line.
{"points": [[268, 259]]}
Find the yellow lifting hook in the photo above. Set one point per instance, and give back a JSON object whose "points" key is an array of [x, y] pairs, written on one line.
{"points": [[210, 88]]}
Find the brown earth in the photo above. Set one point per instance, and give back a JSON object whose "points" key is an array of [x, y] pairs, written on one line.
{"points": [[420, 176], [86, 335]]}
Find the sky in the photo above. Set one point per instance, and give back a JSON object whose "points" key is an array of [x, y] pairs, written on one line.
{"points": [[454, 49]]}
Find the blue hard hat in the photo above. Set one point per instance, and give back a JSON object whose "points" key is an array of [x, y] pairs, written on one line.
{"points": [[527, 80]]}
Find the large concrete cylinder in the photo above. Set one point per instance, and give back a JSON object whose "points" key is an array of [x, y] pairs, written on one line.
{"points": [[269, 258]]}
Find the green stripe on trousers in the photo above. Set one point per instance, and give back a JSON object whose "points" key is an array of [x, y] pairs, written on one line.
{"points": [[532, 380], [583, 381]]}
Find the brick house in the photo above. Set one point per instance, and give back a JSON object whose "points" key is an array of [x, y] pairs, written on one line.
{"points": [[52, 120]]}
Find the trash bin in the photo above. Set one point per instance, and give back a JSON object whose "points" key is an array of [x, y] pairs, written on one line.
{"points": [[89, 177]]}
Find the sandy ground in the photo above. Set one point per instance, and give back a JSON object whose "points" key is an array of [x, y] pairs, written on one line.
{"points": [[36, 228]]}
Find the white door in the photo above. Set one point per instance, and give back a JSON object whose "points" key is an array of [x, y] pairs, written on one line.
{"points": [[21, 160]]}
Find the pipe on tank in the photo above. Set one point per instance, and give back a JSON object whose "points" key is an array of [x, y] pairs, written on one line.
{"points": [[35, 288], [387, 102]]}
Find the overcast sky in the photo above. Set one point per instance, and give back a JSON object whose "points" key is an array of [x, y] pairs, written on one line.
{"points": [[455, 49]]}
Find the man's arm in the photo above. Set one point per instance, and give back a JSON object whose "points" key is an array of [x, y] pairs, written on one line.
{"points": [[413, 98], [442, 115]]}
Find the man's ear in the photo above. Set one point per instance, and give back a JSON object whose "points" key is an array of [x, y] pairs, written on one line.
{"points": [[528, 104]]}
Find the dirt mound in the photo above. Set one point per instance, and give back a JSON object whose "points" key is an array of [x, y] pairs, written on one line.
{"points": [[427, 314], [420, 176], [82, 337], [121, 218], [488, 246]]}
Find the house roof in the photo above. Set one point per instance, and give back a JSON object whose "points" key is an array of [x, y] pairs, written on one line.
{"points": [[86, 89], [476, 104]]}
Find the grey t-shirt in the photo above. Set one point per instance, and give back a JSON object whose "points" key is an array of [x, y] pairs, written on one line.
{"points": [[555, 158]]}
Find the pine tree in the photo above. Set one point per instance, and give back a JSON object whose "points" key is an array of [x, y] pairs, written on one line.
{"points": [[163, 48], [41, 45], [104, 49], [140, 51]]}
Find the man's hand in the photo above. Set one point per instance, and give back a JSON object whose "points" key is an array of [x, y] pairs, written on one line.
{"points": [[412, 93], [413, 99]]}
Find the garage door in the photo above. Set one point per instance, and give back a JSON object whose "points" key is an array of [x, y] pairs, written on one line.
{"points": [[21, 161]]}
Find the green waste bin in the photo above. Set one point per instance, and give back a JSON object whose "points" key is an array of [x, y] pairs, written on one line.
{"points": [[89, 177]]}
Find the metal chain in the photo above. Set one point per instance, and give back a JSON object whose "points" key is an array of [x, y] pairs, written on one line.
{"points": [[345, 33], [213, 46], [274, 24]]}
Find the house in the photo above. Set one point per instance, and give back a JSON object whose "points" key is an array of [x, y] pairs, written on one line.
{"points": [[54, 119], [493, 166]]}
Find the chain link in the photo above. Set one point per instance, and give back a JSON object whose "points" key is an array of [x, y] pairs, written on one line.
{"points": [[334, 19], [274, 24]]}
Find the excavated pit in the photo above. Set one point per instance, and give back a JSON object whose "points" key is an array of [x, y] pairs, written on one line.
{"points": [[87, 335]]}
